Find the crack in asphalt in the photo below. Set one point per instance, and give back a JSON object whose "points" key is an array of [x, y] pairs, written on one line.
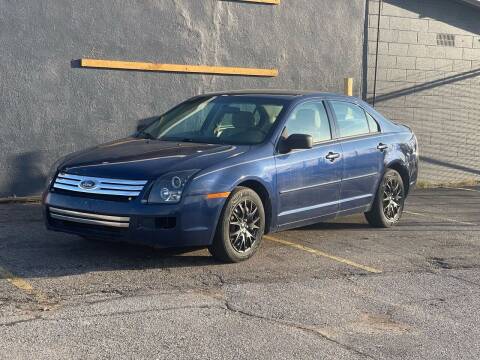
{"points": [[301, 327], [463, 280], [113, 314], [226, 306]]}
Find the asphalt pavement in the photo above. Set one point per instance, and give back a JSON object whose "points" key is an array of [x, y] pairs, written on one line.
{"points": [[336, 290]]}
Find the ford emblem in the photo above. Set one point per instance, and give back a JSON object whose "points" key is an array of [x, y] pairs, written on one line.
{"points": [[88, 184]]}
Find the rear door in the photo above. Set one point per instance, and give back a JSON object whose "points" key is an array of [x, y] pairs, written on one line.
{"points": [[308, 181], [363, 157]]}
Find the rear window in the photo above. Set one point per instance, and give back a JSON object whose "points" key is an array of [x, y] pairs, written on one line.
{"points": [[351, 119]]}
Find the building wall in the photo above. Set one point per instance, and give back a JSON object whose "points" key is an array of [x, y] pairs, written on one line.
{"points": [[431, 84], [50, 107]]}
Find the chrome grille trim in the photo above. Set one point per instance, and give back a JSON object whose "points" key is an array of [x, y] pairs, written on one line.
{"points": [[89, 218], [103, 186]]}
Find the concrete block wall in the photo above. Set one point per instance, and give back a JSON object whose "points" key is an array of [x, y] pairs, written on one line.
{"points": [[431, 85], [49, 107]]}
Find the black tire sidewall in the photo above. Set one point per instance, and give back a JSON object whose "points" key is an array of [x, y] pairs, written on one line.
{"points": [[238, 195], [389, 173]]}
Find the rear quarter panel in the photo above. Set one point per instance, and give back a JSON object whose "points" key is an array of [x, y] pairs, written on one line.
{"points": [[403, 150]]}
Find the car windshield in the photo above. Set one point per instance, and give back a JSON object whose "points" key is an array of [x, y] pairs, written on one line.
{"points": [[233, 120]]}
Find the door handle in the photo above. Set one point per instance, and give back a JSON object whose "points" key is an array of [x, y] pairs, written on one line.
{"points": [[382, 147], [332, 156]]}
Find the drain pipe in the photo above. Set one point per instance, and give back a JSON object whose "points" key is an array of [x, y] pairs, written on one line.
{"points": [[376, 53]]}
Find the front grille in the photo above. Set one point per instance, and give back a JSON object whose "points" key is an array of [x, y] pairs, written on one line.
{"points": [[99, 186], [89, 218]]}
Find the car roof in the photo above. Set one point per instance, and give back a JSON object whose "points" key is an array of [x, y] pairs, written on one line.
{"points": [[284, 94]]}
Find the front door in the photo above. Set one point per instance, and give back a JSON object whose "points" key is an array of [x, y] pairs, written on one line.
{"points": [[308, 181], [363, 158]]}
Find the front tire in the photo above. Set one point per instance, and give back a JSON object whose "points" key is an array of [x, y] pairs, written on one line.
{"points": [[240, 228], [387, 207]]}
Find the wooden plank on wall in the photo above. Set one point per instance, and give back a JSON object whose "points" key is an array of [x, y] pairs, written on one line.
{"points": [[196, 69]]}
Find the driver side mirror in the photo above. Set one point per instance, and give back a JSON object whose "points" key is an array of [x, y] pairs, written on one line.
{"points": [[296, 141]]}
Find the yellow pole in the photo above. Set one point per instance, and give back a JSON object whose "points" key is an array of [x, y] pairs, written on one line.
{"points": [[349, 86]]}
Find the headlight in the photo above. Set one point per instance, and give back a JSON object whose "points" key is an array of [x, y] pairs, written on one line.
{"points": [[169, 188]]}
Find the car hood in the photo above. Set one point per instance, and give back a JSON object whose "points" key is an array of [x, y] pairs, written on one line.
{"points": [[141, 159]]}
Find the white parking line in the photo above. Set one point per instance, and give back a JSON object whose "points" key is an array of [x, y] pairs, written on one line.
{"points": [[440, 218]]}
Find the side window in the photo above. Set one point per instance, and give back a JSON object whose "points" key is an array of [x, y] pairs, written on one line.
{"points": [[351, 119], [372, 124], [311, 119]]}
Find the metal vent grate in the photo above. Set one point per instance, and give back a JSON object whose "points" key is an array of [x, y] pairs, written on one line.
{"points": [[446, 40]]}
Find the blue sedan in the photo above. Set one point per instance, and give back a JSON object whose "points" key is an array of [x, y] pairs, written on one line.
{"points": [[221, 170]]}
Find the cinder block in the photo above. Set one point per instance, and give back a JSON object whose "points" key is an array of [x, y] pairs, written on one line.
{"points": [[425, 64], [436, 52], [464, 41], [403, 12], [400, 23], [383, 87], [387, 61], [471, 54], [434, 75], [435, 26], [427, 38], [408, 37], [458, 90], [414, 101], [462, 102], [397, 49], [419, 25], [384, 21], [382, 48], [462, 65], [476, 42], [390, 36], [405, 115], [444, 64], [381, 75], [440, 89], [474, 139], [373, 7], [396, 74], [395, 102], [419, 50], [432, 102], [416, 76], [474, 117], [406, 62], [453, 53], [440, 115]]}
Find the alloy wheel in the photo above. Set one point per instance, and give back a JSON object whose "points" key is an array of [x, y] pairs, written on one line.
{"points": [[392, 199], [244, 225]]}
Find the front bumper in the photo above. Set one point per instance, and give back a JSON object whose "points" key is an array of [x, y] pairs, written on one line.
{"points": [[192, 222]]}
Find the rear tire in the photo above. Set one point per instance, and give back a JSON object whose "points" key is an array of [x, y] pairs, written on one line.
{"points": [[387, 207], [240, 228]]}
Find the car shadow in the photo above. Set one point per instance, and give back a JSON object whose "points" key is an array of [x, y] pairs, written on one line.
{"points": [[335, 226], [58, 255], [27, 249]]}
